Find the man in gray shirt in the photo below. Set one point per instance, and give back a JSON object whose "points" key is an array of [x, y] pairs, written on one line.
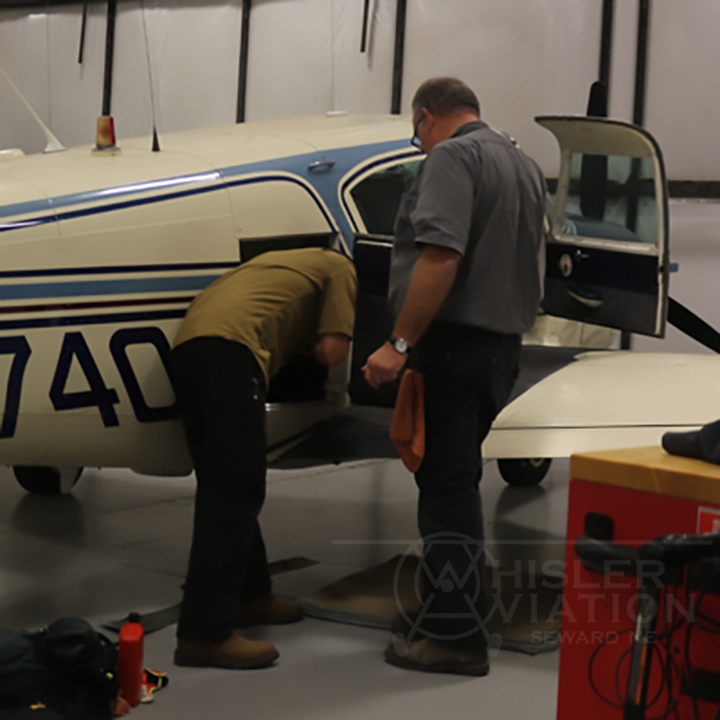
{"points": [[466, 281]]}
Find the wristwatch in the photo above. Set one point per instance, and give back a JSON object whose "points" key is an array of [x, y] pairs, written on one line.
{"points": [[400, 344]]}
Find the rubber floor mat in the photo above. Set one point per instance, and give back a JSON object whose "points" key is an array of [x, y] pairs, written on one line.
{"points": [[524, 609]]}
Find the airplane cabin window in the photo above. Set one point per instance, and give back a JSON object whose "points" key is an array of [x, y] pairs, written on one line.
{"points": [[612, 197], [377, 197]]}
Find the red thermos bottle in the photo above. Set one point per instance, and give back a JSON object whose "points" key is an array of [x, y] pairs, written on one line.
{"points": [[130, 666]]}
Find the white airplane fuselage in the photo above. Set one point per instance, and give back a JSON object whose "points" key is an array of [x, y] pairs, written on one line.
{"points": [[101, 253]]}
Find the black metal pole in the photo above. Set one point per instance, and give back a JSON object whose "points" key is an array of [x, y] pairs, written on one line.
{"points": [[363, 39], [641, 62], [109, 52], [606, 42], [399, 61], [243, 70], [639, 104], [638, 119], [82, 33]]}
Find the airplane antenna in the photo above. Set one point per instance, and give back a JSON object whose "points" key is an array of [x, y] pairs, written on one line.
{"points": [[368, 26], [363, 39], [156, 142], [53, 145]]}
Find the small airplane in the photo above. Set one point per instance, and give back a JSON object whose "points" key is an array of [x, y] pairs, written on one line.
{"points": [[102, 250]]}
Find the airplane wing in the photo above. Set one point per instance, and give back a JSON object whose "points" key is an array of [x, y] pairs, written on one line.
{"points": [[606, 400]]}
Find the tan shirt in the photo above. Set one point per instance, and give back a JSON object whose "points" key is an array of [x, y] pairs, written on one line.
{"points": [[275, 303]]}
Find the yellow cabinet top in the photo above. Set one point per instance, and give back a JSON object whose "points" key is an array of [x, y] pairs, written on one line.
{"points": [[650, 469]]}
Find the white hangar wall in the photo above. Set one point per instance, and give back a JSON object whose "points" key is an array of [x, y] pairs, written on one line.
{"points": [[682, 106], [35, 46], [193, 48], [683, 103], [683, 112], [523, 57], [305, 58]]}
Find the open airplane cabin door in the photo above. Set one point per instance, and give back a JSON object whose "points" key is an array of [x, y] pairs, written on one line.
{"points": [[607, 252], [372, 198]]}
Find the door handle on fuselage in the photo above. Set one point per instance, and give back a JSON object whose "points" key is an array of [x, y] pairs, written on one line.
{"points": [[321, 165]]}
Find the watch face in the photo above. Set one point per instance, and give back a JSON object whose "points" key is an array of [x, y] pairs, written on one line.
{"points": [[400, 344]]}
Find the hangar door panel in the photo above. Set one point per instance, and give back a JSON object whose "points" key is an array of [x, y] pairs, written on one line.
{"points": [[607, 255]]}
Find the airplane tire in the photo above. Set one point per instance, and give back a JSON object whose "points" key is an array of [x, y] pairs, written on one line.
{"points": [[524, 472], [39, 480]]}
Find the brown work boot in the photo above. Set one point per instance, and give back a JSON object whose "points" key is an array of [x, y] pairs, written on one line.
{"points": [[405, 623], [431, 656], [235, 653], [269, 610]]}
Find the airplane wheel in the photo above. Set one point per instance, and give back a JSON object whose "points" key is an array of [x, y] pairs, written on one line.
{"points": [[524, 472], [40, 480]]}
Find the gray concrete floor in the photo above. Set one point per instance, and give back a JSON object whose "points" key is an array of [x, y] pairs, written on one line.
{"points": [[119, 542]]}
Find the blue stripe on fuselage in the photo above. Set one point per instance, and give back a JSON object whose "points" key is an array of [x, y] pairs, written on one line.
{"points": [[33, 206], [104, 287], [117, 269], [325, 183]]}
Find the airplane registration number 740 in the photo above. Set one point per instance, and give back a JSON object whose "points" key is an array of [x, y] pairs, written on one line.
{"points": [[99, 395]]}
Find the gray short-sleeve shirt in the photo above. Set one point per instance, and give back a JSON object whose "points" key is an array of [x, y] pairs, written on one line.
{"points": [[479, 194]]}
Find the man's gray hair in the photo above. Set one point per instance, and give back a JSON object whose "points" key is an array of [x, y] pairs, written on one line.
{"points": [[445, 96]]}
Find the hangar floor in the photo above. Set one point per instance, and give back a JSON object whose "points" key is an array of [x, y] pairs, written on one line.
{"points": [[119, 542]]}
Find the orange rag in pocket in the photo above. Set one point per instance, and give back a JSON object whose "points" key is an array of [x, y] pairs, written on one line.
{"points": [[408, 424]]}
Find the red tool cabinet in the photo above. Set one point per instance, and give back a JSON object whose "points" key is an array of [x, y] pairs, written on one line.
{"points": [[646, 493]]}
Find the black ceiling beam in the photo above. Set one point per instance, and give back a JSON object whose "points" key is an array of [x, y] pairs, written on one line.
{"points": [[244, 54]]}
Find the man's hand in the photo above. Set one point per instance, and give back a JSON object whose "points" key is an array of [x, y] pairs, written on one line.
{"points": [[119, 706], [331, 349], [431, 281], [383, 365]]}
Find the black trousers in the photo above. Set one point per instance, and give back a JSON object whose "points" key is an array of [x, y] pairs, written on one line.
{"points": [[469, 374], [221, 393]]}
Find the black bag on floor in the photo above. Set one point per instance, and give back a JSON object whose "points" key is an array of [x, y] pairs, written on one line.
{"points": [[65, 670]]}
